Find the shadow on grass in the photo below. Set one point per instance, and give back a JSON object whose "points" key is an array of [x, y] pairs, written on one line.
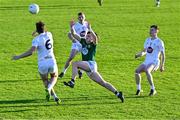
{"points": [[90, 103], [75, 101], [25, 103], [134, 96], [13, 81], [24, 110], [112, 97], [84, 98], [20, 101]]}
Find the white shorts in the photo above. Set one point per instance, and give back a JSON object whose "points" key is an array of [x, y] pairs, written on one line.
{"points": [[92, 65], [155, 62], [77, 46], [47, 66]]}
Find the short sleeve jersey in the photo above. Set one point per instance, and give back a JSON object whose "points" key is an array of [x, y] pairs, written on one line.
{"points": [[153, 48], [81, 29]]}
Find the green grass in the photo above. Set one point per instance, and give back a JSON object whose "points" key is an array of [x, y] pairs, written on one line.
{"points": [[122, 26]]}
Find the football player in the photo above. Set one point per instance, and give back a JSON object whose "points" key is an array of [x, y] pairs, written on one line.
{"points": [[155, 58]]}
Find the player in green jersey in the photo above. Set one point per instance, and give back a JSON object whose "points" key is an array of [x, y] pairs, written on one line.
{"points": [[89, 65]]}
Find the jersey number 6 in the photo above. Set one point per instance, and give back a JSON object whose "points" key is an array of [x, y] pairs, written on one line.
{"points": [[48, 45]]}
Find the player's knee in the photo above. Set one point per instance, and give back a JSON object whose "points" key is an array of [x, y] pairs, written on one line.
{"points": [[74, 64], [103, 83], [69, 60], [107, 83]]}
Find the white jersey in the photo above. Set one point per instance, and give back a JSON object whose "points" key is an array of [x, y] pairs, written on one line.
{"points": [[153, 49], [44, 45], [81, 29]]}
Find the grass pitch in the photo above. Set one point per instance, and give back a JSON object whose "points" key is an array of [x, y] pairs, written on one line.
{"points": [[122, 25]]}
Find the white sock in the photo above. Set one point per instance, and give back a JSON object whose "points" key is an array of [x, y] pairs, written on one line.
{"points": [[54, 95], [64, 70], [138, 86], [153, 87]]}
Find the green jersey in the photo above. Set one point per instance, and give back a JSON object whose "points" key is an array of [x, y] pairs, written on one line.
{"points": [[88, 51]]}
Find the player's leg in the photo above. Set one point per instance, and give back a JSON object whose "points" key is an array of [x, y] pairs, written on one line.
{"points": [[53, 93], [83, 65], [68, 62], [148, 71], [43, 72], [100, 2], [157, 3], [53, 71], [95, 76], [51, 84], [44, 78], [52, 81], [80, 73], [138, 71]]}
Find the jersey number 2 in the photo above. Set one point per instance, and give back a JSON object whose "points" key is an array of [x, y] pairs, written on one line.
{"points": [[48, 45]]}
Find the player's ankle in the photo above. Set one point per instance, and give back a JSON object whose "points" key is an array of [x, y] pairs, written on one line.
{"points": [[116, 93], [72, 80]]}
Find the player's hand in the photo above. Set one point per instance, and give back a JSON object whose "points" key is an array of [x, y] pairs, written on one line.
{"points": [[72, 22], [15, 57], [162, 68], [89, 25], [34, 33]]}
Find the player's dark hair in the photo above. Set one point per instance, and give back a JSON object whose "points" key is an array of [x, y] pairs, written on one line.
{"points": [[80, 13], [88, 32], [40, 27], [155, 26], [95, 34], [91, 32]]}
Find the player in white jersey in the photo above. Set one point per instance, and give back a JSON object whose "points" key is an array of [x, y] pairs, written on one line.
{"points": [[46, 59], [154, 49], [100, 2], [80, 28], [157, 3]]}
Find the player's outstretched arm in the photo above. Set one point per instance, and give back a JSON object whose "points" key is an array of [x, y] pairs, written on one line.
{"points": [[71, 37], [89, 26], [93, 33], [95, 37], [25, 54], [141, 53], [73, 34], [74, 37], [162, 61]]}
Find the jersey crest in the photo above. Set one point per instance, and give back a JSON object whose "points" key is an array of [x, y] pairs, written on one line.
{"points": [[84, 51]]}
